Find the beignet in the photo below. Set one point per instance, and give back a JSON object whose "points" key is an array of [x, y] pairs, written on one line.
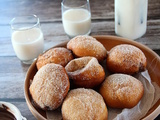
{"points": [[127, 59], [50, 86], [87, 46], [121, 91], [84, 104], [85, 72], [57, 55]]}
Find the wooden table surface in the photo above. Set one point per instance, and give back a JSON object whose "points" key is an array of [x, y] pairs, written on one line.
{"points": [[12, 71]]}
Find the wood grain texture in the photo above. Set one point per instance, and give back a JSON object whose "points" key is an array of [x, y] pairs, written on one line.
{"points": [[50, 10], [12, 76]]}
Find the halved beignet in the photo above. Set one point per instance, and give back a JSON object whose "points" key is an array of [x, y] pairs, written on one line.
{"points": [[85, 72]]}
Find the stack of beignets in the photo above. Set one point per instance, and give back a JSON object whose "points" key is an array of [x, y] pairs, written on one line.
{"points": [[85, 72], [57, 66]]}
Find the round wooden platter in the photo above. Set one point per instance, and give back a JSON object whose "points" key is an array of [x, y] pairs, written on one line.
{"points": [[153, 67]]}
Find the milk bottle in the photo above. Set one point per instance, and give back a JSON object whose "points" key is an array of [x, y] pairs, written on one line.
{"points": [[130, 18]]}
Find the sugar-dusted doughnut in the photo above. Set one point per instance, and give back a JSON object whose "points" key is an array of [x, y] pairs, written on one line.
{"points": [[85, 72], [84, 104], [87, 46], [121, 91], [127, 59], [58, 55], [50, 86]]}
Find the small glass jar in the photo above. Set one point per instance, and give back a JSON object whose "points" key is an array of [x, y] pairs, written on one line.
{"points": [[131, 18]]}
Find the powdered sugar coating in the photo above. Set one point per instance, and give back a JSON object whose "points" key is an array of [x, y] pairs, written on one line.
{"points": [[83, 104], [87, 46], [49, 87], [58, 55], [121, 90], [126, 58], [85, 72]]}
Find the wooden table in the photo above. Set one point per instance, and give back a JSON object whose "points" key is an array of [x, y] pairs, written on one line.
{"points": [[12, 71]]}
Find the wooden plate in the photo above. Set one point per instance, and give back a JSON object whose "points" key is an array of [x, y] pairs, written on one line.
{"points": [[153, 66]]}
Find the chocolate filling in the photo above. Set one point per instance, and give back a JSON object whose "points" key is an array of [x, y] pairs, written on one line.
{"points": [[5, 114]]}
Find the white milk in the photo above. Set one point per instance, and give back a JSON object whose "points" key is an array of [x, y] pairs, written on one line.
{"points": [[131, 18], [76, 22], [28, 44]]}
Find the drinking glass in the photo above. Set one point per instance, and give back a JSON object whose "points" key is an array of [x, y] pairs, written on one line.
{"points": [[76, 17], [27, 37]]}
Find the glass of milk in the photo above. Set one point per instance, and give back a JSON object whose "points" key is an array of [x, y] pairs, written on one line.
{"points": [[27, 37], [76, 17], [131, 18]]}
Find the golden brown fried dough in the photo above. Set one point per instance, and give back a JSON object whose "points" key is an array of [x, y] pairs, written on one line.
{"points": [[87, 46], [50, 86], [127, 59], [85, 72], [84, 104], [57, 55], [121, 91]]}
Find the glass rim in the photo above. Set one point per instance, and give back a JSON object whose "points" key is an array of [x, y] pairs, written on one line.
{"points": [[62, 4], [22, 16]]}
